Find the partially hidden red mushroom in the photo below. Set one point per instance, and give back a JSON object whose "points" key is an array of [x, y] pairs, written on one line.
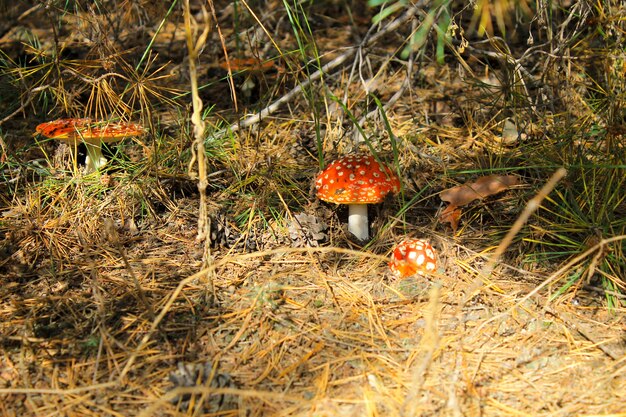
{"points": [[413, 256], [93, 134], [356, 180]]}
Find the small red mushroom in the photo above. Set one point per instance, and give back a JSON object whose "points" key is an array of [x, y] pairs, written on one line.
{"points": [[356, 180], [413, 256], [92, 133]]}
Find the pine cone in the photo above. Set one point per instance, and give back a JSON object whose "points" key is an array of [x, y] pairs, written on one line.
{"points": [[221, 234], [307, 230], [194, 375], [227, 236], [305, 145]]}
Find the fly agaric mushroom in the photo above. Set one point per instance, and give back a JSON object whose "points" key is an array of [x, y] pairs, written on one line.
{"points": [[356, 180], [93, 134], [413, 256]]}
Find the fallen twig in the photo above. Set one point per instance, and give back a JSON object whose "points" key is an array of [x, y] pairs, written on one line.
{"points": [[273, 107]]}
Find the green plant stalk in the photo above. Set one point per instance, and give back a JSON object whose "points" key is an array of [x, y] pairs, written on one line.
{"points": [[158, 30]]}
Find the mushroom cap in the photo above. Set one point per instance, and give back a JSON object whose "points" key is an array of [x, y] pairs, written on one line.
{"points": [[356, 179], [72, 130], [413, 256]]}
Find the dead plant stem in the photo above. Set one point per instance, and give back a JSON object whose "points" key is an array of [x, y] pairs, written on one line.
{"points": [[52, 391], [529, 209], [230, 78], [429, 345], [199, 157], [552, 278]]}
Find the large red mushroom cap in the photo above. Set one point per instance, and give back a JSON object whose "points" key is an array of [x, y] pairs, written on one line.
{"points": [[73, 129], [356, 179], [413, 256], [92, 133]]}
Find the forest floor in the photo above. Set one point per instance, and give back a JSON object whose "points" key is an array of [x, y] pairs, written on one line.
{"points": [[111, 305]]}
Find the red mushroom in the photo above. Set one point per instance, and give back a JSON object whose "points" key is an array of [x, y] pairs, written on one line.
{"points": [[93, 134], [413, 256], [356, 180]]}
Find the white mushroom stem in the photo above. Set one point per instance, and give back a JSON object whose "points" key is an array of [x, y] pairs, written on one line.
{"points": [[94, 160], [357, 221]]}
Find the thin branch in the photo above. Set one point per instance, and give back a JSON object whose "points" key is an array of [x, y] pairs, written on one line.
{"points": [[30, 98], [273, 107]]}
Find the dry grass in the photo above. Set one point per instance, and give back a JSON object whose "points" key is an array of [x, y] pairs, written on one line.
{"points": [[106, 288], [311, 332]]}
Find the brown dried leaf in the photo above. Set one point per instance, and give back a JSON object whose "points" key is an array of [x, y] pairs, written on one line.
{"points": [[451, 214], [486, 186], [247, 64]]}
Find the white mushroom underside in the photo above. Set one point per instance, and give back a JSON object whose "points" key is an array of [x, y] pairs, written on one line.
{"points": [[357, 221]]}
